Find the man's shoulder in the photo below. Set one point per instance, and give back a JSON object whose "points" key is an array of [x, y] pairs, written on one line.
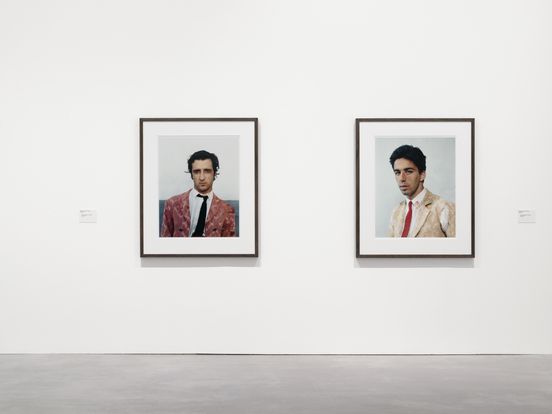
{"points": [[179, 198], [219, 203], [436, 200], [399, 206], [397, 210]]}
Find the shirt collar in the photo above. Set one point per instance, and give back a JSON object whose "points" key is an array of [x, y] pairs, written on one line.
{"points": [[195, 193]]}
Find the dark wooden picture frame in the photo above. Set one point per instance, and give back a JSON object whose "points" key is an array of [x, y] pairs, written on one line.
{"points": [[168, 187], [441, 227]]}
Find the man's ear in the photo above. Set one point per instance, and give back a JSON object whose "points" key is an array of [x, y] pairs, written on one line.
{"points": [[422, 176]]}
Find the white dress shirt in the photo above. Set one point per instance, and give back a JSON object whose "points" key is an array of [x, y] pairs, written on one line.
{"points": [[195, 207]]}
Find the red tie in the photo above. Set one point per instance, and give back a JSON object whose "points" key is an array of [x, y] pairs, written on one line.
{"points": [[407, 221]]}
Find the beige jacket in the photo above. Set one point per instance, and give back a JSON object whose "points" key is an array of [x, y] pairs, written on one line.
{"points": [[428, 222]]}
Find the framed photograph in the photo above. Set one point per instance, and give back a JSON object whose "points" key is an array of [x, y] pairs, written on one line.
{"points": [[198, 187], [415, 187]]}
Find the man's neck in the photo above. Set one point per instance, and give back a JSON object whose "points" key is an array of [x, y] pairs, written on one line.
{"points": [[208, 193], [418, 192]]}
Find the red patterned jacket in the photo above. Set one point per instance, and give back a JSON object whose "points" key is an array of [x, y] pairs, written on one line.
{"points": [[220, 220]]}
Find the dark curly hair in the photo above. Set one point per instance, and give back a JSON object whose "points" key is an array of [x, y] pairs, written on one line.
{"points": [[411, 153], [203, 155]]}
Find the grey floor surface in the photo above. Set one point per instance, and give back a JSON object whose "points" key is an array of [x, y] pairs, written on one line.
{"points": [[232, 384]]}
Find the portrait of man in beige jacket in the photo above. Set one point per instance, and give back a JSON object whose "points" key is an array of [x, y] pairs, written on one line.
{"points": [[421, 213]]}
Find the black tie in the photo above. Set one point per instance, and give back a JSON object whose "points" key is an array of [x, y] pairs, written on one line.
{"points": [[198, 232]]}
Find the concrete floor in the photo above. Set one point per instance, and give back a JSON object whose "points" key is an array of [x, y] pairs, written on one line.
{"points": [[224, 384]]}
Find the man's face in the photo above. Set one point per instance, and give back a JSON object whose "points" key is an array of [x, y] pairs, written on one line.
{"points": [[203, 175], [408, 177]]}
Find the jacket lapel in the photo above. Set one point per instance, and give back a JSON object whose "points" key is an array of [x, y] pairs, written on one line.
{"points": [[182, 222], [400, 219], [186, 216], [210, 222], [424, 212]]}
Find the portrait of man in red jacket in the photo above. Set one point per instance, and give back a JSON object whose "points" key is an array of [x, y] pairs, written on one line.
{"points": [[199, 212]]}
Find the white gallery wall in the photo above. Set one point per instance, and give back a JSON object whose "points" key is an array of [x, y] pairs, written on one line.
{"points": [[76, 76]]}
